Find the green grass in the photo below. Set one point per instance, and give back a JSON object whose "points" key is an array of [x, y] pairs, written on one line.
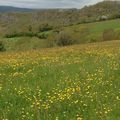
{"points": [[71, 83], [93, 32], [99, 26]]}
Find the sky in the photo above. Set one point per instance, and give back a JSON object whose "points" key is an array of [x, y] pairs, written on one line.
{"points": [[48, 3]]}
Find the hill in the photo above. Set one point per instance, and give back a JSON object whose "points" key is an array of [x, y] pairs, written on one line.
{"points": [[110, 9], [59, 17], [13, 9], [59, 27], [76, 34]]}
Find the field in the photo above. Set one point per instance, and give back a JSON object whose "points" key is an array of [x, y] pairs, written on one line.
{"points": [[80, 82]]}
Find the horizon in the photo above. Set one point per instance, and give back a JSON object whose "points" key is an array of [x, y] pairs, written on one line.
{"points": [[48, 4]]}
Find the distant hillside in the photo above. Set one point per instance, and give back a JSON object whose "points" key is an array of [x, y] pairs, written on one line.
{"points": [[55, 18], [110, 9], [13, 9], [112, 0]]}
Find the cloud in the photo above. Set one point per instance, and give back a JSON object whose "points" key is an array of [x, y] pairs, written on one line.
{"points": [[48, 3]]}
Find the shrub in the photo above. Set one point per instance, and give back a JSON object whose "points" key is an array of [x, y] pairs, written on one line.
{"points": [[45, 27], [2, 47], [57, 29], [63, 39], [30, 28], [12, 35], [24, 34], [42, 36], [29, 34]]}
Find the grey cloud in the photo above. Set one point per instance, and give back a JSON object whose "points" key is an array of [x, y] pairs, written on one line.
{"points": [[48, 3]]}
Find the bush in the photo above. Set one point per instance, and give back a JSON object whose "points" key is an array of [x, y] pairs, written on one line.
{"points": [[45, 27], [2, 47], [57, 29], [29, 34], [64, 38], [30, 28], [12, 35], [42, 36]]}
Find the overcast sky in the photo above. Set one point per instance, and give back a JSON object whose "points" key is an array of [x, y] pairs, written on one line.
{"points": [[48, 3]]}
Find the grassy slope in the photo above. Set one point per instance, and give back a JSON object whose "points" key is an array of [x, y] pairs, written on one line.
{"points": [[100, 26], [83, 33], [71, 83], [96, 29]]}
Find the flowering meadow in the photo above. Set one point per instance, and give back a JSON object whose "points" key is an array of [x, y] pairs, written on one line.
{"points": [[80, 82]]}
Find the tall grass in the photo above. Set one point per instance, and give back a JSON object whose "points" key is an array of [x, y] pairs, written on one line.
{"points": [[70, 83]]}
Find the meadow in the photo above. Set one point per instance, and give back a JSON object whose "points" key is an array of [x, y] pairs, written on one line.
{"points": [[79, 82]]}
